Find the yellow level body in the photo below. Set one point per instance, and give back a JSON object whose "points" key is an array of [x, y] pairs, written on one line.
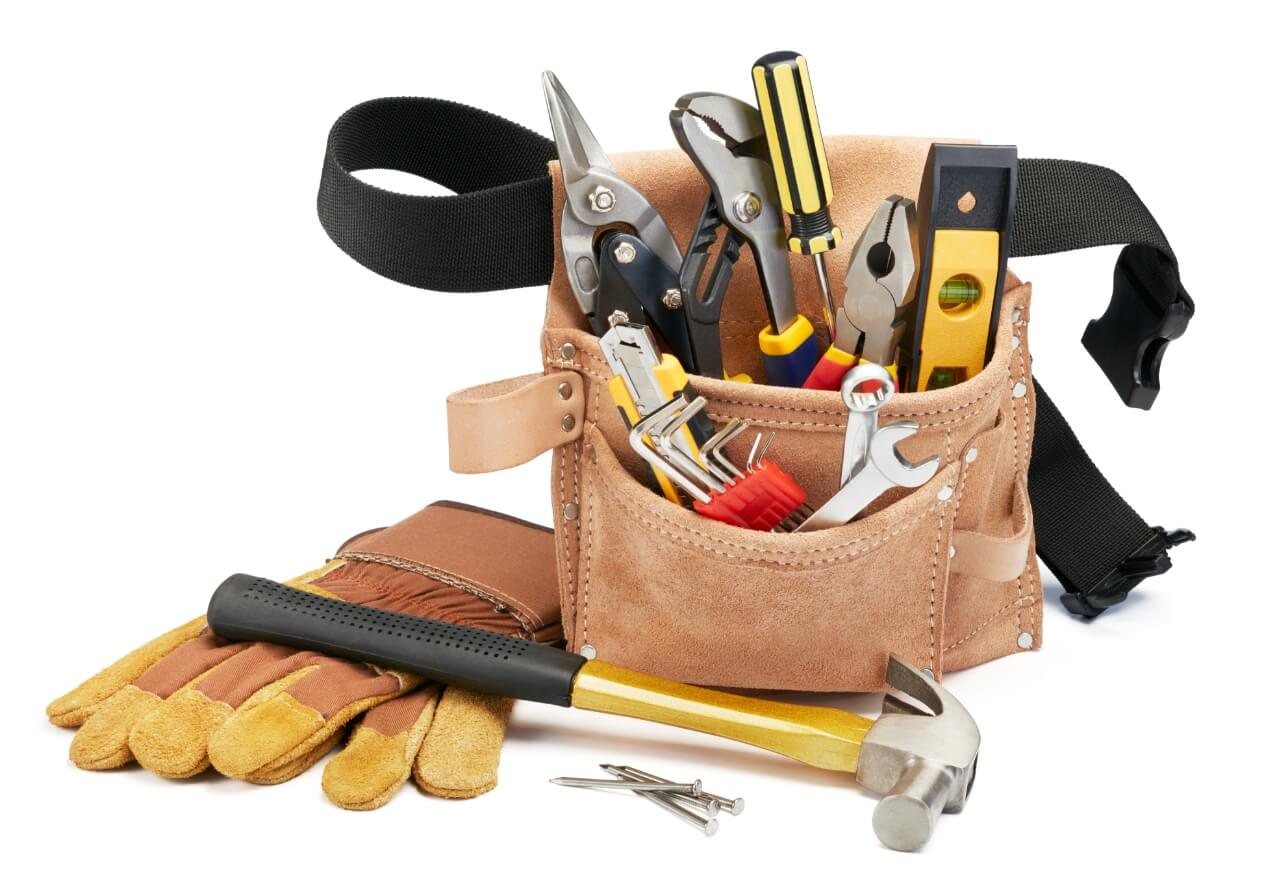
{"points": [[954, 342]]}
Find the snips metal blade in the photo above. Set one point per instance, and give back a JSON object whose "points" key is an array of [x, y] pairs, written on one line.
{"points": [[880, 281], [597, 200]]}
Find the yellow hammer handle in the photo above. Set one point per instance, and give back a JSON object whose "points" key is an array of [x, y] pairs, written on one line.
{"points": [[817, 735]]}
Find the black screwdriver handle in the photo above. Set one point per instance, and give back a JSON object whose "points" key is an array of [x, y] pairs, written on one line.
{"points": [[249, 608]]}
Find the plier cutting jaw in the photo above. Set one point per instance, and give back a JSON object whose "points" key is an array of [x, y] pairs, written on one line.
{"points": [[618, 251], [724, 137], [880, 282]]}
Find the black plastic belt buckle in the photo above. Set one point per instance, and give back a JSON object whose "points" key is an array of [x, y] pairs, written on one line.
{"points": [[1149, 559], [1148, 309]]}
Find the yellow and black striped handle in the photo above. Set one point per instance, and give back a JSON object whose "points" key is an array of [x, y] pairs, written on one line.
{"points": [[797, 152]]}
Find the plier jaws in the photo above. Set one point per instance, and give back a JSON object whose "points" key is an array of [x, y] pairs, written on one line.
{"points": [[880, 283]]}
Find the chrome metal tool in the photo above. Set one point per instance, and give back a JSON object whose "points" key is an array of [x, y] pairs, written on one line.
{"points": [[618, 252], [881, 282], [872, 463], [725, 139]]}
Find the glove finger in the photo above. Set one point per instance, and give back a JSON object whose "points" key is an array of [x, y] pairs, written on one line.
{"points": [[72, 709], [378, 758], [460, 757], [102, 741], [283, 771], [172, 739], [290, 718]]}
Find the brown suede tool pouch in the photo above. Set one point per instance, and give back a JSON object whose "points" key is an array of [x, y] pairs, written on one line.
{"points": [[943, 575]]}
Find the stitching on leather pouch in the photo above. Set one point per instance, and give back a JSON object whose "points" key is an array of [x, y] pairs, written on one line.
{"points": [[842, 425], [939, 534], [808, 411], [583, 502], [1025, 599], [1020, 326], [566, 533], [587, 572], [877, 540], [572, 365], [525, 616]]}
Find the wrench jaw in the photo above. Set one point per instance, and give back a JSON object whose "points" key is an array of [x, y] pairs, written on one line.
{"points": [[921, 762], [723, 137], [885, 455]]}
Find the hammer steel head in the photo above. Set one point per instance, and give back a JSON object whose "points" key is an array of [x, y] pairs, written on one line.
{"points": [[921, 763]]}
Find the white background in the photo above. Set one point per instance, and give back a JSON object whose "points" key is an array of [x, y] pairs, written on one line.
{"points": [[197, 382]]}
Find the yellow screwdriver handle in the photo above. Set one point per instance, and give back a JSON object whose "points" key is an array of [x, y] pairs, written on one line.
{"points": [[797, 152]]}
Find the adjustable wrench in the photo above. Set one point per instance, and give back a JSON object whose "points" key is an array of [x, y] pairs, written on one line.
{"points": [[725, 139]]}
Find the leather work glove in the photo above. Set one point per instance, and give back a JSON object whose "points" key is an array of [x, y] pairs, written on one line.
{"points": [[189, 700]]}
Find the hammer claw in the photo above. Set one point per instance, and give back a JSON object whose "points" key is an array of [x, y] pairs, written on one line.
{"points": [[921, 763]]}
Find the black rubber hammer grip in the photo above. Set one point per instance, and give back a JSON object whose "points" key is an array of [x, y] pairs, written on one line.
{"points": [[248, 608]]}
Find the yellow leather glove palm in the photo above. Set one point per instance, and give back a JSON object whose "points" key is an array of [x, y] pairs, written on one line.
{"points": [[189, 700]]}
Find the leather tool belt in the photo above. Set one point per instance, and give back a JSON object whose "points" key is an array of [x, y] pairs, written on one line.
{"points": [[944, 575]]}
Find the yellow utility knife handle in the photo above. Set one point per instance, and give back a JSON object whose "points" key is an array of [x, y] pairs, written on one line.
{"points": [[631, 417], [672, 380]]}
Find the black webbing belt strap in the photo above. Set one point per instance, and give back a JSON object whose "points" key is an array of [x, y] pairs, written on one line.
{"points": [[496, 233]]}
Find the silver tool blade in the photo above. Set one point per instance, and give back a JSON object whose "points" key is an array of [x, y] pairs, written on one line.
{"points": [[587, 172]]}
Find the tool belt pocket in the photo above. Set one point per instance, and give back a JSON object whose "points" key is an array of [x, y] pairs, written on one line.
{"points": [[943, 575]]}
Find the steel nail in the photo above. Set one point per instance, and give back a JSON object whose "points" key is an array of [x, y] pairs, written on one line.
{"points": [[635, 785], [709, 807], [707, 825], [733, 806]]}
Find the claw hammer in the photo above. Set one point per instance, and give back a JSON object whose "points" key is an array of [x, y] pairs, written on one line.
{"points": [[919, 759]]}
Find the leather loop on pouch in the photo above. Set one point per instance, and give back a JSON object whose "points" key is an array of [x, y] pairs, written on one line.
{"points": [[507, 423], [995, 558]]}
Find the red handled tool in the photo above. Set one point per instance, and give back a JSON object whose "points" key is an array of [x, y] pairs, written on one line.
{"points": [[880, 282]]}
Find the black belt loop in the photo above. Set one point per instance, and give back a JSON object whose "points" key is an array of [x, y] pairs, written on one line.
{"points": [[495, 233]]}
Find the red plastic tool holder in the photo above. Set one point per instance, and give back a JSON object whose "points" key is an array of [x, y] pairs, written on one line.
{"points": [[758, 501]]}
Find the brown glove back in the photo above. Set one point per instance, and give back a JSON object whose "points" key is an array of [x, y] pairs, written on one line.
{"points": [[189, 700]]}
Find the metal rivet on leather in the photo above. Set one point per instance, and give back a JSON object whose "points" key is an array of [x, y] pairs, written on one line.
{"points": [[971, 455], [568, 422], [1015, 341], [952, 551], [564, 390], [945, 494], [1018, 315], [567, 350], [588, 652], [1020, 390], [1025, 640], [570, 510]]}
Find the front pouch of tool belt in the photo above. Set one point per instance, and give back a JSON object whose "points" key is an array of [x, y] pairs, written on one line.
{"points": [[944, 575]]}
